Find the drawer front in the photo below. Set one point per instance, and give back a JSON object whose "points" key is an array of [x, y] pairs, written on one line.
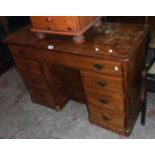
{"points": [[27, 65], [39, 22], [106, 118], [112, 68], [33, 80], [35, 54], [100, 83], [54, 23], [113, 102], [103, 66], [23, 52]]}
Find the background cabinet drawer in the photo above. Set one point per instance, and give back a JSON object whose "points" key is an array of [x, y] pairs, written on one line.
{"points": [[106, 118], [33, 80], [113, 102], [102, 83], [63, 23], [55, 23], [27, 65]]}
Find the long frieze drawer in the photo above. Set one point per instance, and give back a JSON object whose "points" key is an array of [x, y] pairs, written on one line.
{"points": [[21, 51], [33, 80], [30, 53], [102, 83], [107, 67], [106, 118], [27, 65], [113, 102]]}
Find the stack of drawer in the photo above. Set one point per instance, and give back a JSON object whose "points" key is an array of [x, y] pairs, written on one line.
{"points": [[105, 95], [31, 74], [42, 84]]}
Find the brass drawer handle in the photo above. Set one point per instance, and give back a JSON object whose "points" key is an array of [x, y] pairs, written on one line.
{"points": [[106, 118], [101, 84], [98, 66], [103, 101]]}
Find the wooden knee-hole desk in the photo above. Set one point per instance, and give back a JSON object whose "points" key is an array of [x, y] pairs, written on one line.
{"points": [[104, 72]]}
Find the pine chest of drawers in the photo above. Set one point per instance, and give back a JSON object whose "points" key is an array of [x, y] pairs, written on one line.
{"points": [[104, 72], [66, 25]]}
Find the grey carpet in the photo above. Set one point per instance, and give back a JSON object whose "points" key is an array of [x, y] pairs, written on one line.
{"points": [[20, 118]]}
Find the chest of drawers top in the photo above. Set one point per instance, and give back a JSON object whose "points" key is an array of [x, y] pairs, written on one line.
{"points": [[111, 41]]}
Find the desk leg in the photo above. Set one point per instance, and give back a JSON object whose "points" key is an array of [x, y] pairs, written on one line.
{"points": [[143, 98]]}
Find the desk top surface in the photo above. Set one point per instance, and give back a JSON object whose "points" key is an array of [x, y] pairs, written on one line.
{"points": [[112, 41]]}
